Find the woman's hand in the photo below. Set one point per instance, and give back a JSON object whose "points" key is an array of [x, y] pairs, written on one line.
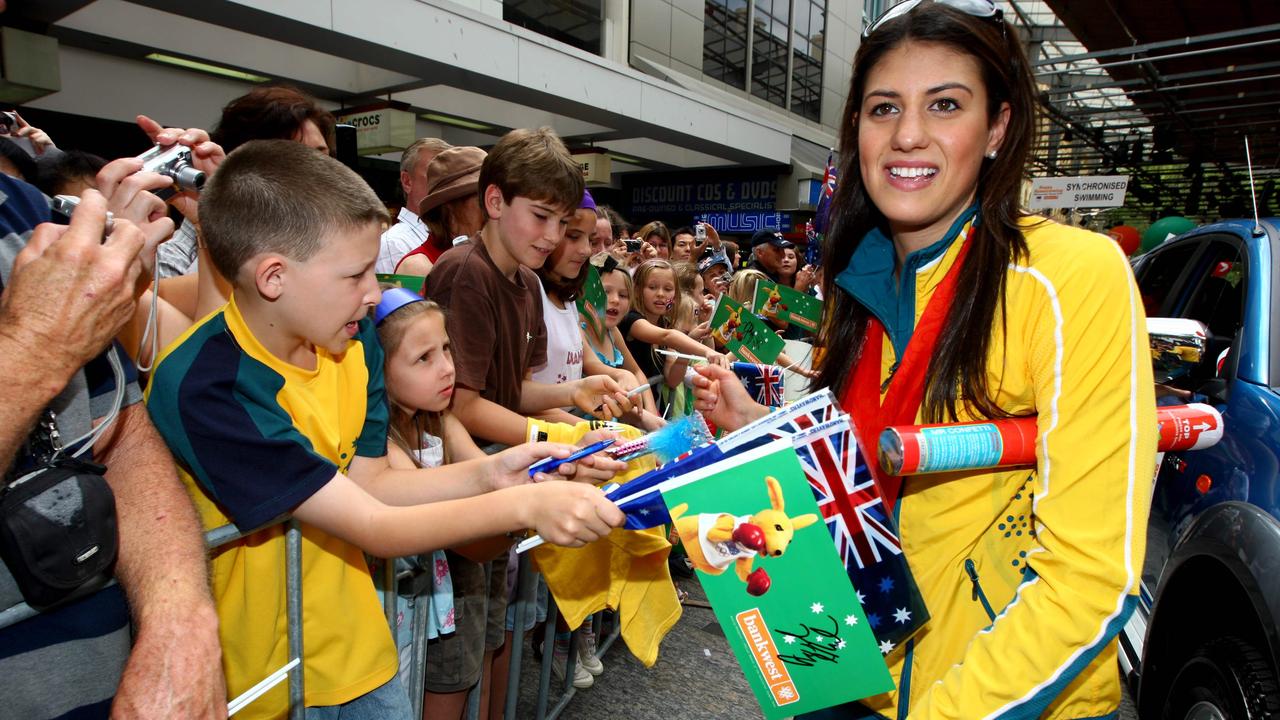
{"points": [[626, 380], [721, 397]]}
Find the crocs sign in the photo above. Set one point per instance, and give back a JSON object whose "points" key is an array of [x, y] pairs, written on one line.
{"points": [[382, 131]]}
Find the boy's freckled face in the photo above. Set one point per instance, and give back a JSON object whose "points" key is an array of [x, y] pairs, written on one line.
{"points": [[532, 229], [327, 295]]}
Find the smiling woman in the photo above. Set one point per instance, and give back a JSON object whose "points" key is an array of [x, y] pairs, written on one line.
{"points": [[946, 302]]}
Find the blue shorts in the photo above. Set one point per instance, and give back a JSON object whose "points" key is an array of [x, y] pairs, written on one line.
{"points": [[540, 608]]}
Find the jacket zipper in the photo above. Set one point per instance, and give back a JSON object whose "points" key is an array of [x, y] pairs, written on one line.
{"points": [[978, 595]]}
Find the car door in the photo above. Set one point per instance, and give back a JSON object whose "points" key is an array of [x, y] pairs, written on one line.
{"points": [[1210, 287]]}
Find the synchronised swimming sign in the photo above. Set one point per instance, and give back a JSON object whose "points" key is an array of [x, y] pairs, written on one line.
{"points": [[1090, 191]]}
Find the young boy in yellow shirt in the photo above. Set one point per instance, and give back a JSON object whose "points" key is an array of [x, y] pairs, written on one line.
{"points": [[275, 405]]}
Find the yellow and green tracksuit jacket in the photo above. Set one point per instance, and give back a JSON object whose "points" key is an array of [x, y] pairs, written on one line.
{"points": [[1028, 575]]}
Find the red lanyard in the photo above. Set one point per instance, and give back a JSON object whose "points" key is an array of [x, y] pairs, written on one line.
{"points": [[906, 385]]}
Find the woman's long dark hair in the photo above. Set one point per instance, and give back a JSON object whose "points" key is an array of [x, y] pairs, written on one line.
{"points": [[957, 375]]}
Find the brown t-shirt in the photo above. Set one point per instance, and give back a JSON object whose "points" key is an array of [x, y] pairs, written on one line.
{"points": [[495, 325]]}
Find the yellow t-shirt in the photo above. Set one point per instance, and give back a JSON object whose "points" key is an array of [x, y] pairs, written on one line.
{"points": [[254, 437]]}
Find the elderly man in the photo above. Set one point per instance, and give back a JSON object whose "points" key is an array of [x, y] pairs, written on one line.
{"points": [[767, 248], [409, 232], [66, 292]]}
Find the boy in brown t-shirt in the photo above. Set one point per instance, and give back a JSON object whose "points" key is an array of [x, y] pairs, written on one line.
{"points": [[529, 188]]}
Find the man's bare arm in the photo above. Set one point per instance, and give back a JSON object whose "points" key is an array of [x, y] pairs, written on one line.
{"points": [[175, 668]]}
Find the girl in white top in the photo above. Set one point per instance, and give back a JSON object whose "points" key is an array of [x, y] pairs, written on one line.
{"points": [[562, 278]]}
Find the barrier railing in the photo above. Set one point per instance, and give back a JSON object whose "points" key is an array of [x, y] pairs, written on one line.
{"points": [[526, 603]]}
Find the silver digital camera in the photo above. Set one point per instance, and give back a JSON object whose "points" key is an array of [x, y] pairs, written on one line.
{"points": [[174, 161]]}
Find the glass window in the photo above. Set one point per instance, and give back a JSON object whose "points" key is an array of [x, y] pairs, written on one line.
{"points": [[1218, 301], [1160, 274], [577, 23], [724, 41], [809, 32], [769, 51], [724, 49]]}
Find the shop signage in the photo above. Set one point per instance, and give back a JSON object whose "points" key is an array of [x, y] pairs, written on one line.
{"points": [[1089, 191], [382, 131], [717, 196], [596, 168], [747, 222]]}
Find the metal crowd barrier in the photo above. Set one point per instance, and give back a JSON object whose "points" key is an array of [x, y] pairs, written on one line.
{"points": [[526, 605]]}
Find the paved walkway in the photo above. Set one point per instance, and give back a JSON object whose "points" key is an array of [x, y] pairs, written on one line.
{"points": [[695, 678]]}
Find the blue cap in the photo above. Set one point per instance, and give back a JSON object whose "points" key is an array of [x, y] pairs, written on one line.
{"points": [[392, 300]]}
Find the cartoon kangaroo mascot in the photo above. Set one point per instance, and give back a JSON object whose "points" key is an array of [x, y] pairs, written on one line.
{"points": [[724, 332], [713, 541], [773, 304]]}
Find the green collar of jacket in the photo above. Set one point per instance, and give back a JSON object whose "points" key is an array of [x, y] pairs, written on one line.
{"points": [[869, 278]]}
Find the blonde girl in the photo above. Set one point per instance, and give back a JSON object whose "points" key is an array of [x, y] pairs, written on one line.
{"points": [[649, 326]]}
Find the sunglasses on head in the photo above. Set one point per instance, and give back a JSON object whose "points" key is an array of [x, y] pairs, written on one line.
{"points": [[976, 8]]}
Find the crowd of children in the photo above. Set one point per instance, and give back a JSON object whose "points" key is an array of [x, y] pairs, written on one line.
{"points": [[288, 381]]}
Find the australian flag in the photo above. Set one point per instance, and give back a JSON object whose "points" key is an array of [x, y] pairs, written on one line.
{"points": [[864, 533], [640, 499], [763, 382]]}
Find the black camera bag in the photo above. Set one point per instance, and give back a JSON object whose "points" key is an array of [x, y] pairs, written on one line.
{"points": [[58, 533]]}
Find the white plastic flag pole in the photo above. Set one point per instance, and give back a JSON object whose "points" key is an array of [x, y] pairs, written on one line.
{"points": [[261, 688], [680, 355]]}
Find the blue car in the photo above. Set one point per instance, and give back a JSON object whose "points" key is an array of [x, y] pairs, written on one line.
{"points": [[1205, 642]]}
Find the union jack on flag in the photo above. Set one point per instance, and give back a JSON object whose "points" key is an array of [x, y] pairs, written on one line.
{"points": [[863, 531], [807, 416], [846, 494], [763, 382]]}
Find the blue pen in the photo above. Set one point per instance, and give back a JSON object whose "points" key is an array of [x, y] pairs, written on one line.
{"points": [[548, 465]]}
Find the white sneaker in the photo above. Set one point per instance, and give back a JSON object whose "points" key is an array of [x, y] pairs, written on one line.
{"points": [[581, 678], [587, 653]]}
